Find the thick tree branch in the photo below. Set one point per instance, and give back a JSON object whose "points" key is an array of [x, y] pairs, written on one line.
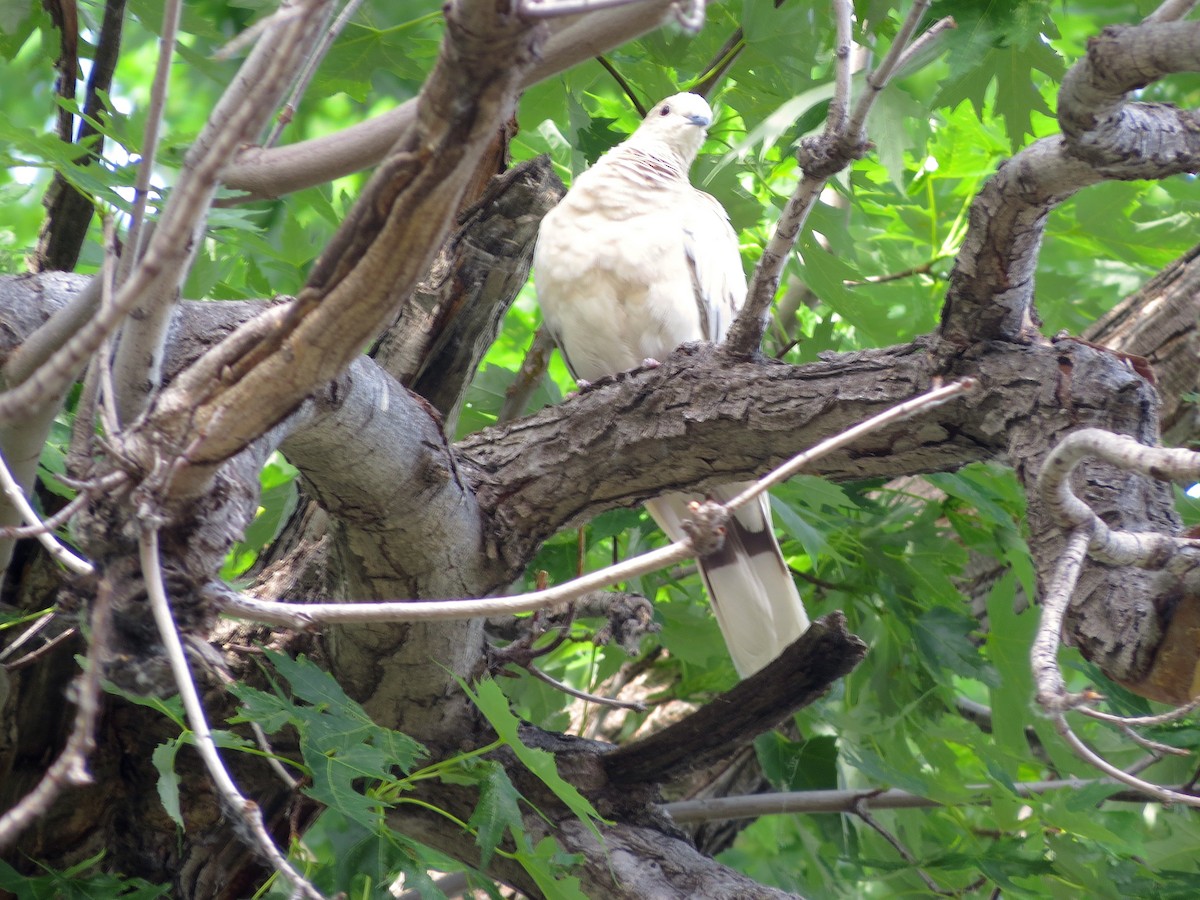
{"points": [[800, 675], [1104, 137], [234, 394]]}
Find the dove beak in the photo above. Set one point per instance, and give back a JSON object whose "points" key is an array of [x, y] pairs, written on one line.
{"points": [[701, 121]]}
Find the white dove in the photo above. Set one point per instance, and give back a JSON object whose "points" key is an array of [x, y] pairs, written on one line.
{"points": [[632, 263]]}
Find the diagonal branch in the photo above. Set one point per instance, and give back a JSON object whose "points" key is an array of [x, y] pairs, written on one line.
{"points": [[239, 117], [234, 393], [843, 141], [799, 676]]}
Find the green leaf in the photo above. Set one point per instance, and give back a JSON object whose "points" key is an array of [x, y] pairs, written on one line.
{"points": [[496, 810], [163, 759], [494, 705]]}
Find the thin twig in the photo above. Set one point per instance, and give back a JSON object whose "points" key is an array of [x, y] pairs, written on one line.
{"points": [[108, 278], [34, 655], [839, 104], [635, 705], [40, 621], [725, 57], [150, 137], [924, 269], [924, 47], [260, 736], [70, 769], [864, 814], [1166, 795], [310, 69], [53, 546], [529, 376], [550, 9], [49, 524], [238, 114], [623, 84], [753, 806], [899, 413], [879, 78], [1144, 721], [1171, 11], [1146, 744], [234, 803], [1043, 655], [820, 159]]}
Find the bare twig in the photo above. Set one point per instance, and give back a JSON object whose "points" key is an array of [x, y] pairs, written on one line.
{"points": [[308, 615], [238, 117], [40, 620], [70, 769], [879, 78], [820, 157], [860, 810], [1166, 795], [1052, 694], [724, 58], [235, 804], [150, 137], [899, 413], [839, 104], [108, 276], [752, 806], [533, 367], [34, 655], [1171, 715], [58, 329], [49, 524], [635, 705], [552, 9], [260, 736], [53, 546], [924, 47], [624, 85], [1051, 689], [1171, 11], [924, 269], [310, 69]]}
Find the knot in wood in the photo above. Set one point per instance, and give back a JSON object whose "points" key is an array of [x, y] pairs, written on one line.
{"points": [[706, 528], [824, 155]]}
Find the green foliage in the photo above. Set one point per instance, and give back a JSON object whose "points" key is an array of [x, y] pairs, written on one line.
{"points": [[82, 881]]}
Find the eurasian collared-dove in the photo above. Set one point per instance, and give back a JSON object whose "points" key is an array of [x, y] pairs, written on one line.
{"points": [[632, 263]]}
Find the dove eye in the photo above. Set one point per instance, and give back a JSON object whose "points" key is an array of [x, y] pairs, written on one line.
{"points": [[665, 111]]}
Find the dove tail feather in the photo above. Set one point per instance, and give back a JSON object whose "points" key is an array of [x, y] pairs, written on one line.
{"points": [[753, 595]]}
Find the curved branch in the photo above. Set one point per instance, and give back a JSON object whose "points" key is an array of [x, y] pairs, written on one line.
{"points": [[1104, 137]]}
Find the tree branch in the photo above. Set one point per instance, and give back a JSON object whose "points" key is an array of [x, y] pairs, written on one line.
{"points": [[271, 173], [799, 676], [1104, 137], [233, 395]]}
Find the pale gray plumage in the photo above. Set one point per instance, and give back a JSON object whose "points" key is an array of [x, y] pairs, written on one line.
{"points": [[632, 263]]}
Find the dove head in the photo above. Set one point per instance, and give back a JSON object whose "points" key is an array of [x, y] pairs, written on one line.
{"points": [[680, 123]]}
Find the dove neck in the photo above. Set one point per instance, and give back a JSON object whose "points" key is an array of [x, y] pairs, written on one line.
{"points": [[651, 166]]}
